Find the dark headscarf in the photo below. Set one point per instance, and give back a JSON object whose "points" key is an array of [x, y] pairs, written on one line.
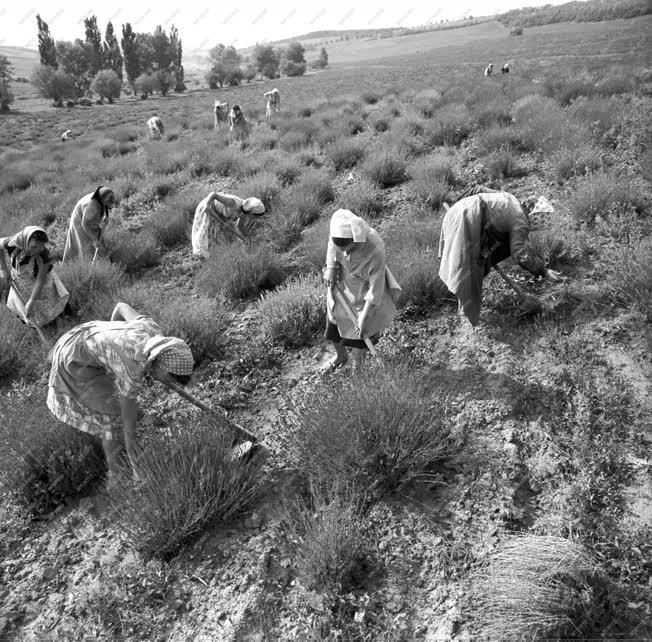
{"points": [[99, 194]]}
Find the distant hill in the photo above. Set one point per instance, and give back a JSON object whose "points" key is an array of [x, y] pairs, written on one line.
{"points": [[22, 59], [584, 11]]}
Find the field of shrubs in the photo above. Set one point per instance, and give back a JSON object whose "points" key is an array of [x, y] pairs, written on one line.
{"points": [[487, 483]]}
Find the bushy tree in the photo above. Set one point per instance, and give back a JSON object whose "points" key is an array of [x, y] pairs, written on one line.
{"points": [[250, 72], [75, 60], [53, 83], [295, 52], [291, 68], [294, 62], [162, 51], [130, 52], [145, 52], [225, 66], [6, 97], [266, 60], [107, 84], [144, 85], [323, 58], [111, 54], [162, 81], [177, 63], [94, 41], [46, 47]]}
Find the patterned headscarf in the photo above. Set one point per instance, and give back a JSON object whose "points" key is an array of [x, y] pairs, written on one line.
{"points": [[539, 217], [20, 241], [171, 353]]}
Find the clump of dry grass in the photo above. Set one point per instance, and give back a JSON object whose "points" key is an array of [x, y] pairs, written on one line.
{"points": [[363, 198], [576, 161], [629, 274], [295, 312], [200, 321], [264, 185], [329, 538], [20, 352], [536, 587], [345, 153], [373, 433], [432, 177], [93, 287], [287, 170], [188, 483], [319, 184], [386, 167], [504, 163], [42, 461], [171, 221], [603, 195], [133, 250], [241, 272], [412, 256]]}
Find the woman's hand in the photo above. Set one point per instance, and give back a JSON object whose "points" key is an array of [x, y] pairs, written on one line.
{"points": [[363, 323], [332, 276], [553, 276]]}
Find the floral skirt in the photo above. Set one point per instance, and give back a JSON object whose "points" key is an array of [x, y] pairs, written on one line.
{"points": [[68, 410]]}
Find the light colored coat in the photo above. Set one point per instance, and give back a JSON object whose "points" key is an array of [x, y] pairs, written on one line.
{"points": [[365, 277], [155, 126]]}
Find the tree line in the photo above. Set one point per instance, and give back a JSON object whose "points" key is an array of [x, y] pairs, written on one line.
{"points": [[229, 67], [586, 11], [95, 65]]}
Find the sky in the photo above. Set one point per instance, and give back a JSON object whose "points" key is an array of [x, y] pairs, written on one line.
{"points": [[241, 23]]}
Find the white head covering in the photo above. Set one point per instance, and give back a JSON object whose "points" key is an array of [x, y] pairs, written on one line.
{"points": [[346, 225], [539, 217], [253, 205]]}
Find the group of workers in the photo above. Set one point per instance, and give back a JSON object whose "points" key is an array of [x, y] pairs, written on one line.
{"points": [[489, 69], [99, 367]]}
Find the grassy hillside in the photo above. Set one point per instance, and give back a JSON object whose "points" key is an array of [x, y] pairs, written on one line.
{"points": [[23, 60], [479, 483]]}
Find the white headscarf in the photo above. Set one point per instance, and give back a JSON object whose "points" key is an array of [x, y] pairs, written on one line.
{"points": [[346, 225], [253, 205]]}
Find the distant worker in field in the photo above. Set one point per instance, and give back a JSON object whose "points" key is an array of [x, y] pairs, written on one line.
{"points": [[273, 99], [489, 71], [28, 283], [221, 217], [98, 369], [479, 231], [87, 223], [155, 127], [220, 114], [362, 292], [505, 68], [67, 135], [238, 125]]}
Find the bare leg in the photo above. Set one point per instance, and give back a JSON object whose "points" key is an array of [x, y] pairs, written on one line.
{"points": [[341, 357], [114, 453], [359, 357]]}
